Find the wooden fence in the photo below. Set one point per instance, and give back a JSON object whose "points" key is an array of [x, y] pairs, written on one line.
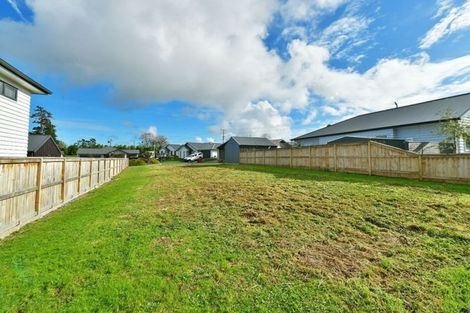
{"points": [[370, 158], [32, 187]]}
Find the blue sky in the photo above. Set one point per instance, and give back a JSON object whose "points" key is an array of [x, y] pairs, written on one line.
{"points": [[275, 68]]}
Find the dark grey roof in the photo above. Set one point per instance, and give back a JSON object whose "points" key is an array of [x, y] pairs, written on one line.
{"points": [[23, 76], [200, 146], [173, 146], [131, 151], [35, 142], [251, 141], [96, 151], [424, 112]]}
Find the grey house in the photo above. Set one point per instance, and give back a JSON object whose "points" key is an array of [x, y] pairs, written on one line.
{"points": [[43, 146], [417, 124], [229, 152], [208, 149], [169, 150]]}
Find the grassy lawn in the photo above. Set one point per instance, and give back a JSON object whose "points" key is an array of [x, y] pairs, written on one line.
{"points": [[245, 239]]}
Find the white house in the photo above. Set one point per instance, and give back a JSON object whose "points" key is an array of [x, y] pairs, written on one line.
{"points": [[416, 124], [15, 94]]}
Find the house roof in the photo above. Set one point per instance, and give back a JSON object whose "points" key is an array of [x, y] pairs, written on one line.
{"points": [[251, 141], [199, 146], [35, 142], [24, 77], [131, 151], [96, 151], [173, 147], [419, 113]]}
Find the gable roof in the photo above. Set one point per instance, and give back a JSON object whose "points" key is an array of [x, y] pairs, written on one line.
{"points": [[173, 147], [24, 77], [419, 113], [96, 151], [130, 151], [251, 141], [199, 146], [35, 142]]}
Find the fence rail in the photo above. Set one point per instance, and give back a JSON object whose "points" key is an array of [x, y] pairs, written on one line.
{"points": [[370, 158], [33, 187]]}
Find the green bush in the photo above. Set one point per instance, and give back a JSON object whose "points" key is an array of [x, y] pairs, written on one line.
{"points": [[137, 162], [142, 161]]}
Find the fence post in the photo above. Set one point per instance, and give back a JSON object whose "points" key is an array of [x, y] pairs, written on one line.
{"points": [[62, 186], [79, 176], [264, 157], [90, 174], [369, 157], [37, 204], [420, 166], [334, 156], [99, 172], [275, 157], [310, 157], [291, 157]]}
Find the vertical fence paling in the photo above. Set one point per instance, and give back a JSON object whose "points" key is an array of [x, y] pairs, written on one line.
{"points": [[33, 187], [370, 158]]}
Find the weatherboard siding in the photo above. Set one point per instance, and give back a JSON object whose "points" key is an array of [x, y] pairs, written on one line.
{"points": [[14, 124], [420, 133]]}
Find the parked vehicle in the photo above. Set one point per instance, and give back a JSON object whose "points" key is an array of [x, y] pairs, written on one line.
{"points": [[194, 157]]}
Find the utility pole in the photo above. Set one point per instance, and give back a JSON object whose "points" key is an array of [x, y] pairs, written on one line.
{"points": [[223, 135]]}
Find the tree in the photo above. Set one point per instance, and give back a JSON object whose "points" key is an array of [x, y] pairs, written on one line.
{"points": [[455, 131], [43, 120], [153, 142], [88, 143]]}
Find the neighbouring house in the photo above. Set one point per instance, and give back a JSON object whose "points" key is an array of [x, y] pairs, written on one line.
{"points": [[281, 143], [16, 89], [417, 124], [183, 151], [229, 151], [209, 149], [169, 150], [131, 153], [107, 152], [43, 146]]}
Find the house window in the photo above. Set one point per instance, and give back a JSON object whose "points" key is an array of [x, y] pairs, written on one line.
{"points": [[8, 90]]}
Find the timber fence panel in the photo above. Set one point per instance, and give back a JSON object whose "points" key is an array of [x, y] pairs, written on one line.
{"points": [[33, 187], [367, 158]]}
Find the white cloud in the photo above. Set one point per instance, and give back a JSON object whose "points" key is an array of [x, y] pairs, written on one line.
{"points": [[310, 117], [257, 119], [456, 19], [152, 130], [294, 10], [198, 139], [210, 139], [349, 92]]}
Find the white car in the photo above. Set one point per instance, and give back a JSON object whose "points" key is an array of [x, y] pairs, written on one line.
{"points": [[194, 157]]}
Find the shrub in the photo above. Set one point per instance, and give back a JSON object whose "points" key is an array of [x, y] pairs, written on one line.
{"points": [[137, 162]]}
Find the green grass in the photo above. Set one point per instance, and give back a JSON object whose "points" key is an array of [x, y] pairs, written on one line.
{"points": [[245, 239]]}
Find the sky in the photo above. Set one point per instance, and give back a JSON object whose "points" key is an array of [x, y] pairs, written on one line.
{"points": [[192, 70]]}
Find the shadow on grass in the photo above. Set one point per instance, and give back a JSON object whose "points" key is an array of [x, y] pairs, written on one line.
{"points": [[319, 175]]}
